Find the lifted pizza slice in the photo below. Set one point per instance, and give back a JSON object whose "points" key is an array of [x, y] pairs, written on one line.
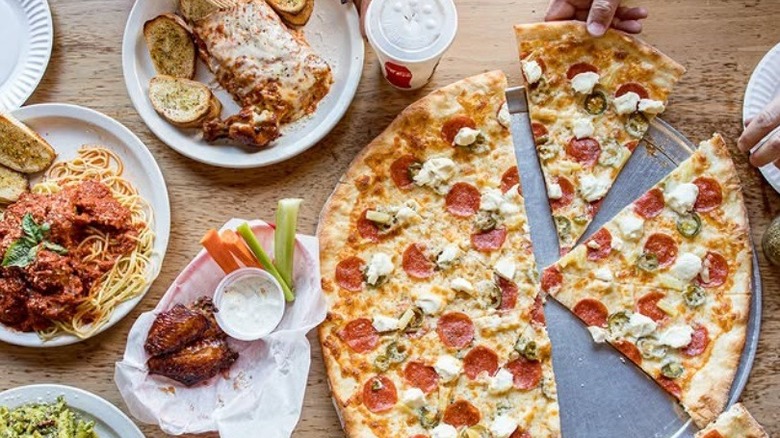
{"points": [[591, 101], [736, 422]]}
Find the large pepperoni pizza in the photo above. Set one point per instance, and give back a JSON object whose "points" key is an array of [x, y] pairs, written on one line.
{"points": [[668, 281], [736, 422], [591, 101], [435, 324]]}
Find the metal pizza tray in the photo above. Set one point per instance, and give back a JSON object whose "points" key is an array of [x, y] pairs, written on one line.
{"points": [[601, 395]]}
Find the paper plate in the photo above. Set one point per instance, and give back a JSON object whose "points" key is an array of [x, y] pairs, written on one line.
{"points": [[67, 128], [110, 422], [27, 35], [763, 86], [333, 32]]}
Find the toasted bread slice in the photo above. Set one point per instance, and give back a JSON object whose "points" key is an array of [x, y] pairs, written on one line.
{"points": [[288, 6], [12, 185], [298, 19], [182, 102], [21, 148], [195, 10], [170, 46]]}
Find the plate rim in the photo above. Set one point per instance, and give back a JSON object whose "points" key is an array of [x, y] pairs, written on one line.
{"points": [[771, 175], [162, 230], [34, 7], [80, 394], [317, 133]]}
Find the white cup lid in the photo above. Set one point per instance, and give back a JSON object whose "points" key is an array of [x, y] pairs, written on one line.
{"points": [[411, 30]]}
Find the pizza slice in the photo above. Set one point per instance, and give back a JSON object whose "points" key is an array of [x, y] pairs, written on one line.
{"points": [[736, 422], [431, 331], [689, 233], [672, 290], [591, 101]]}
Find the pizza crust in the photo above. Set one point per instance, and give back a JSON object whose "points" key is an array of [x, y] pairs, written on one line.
{"points": [[736, 422]]}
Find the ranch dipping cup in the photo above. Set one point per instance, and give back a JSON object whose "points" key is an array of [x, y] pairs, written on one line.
{"points": [[410, 37]]}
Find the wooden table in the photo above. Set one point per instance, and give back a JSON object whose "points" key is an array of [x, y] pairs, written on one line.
{"points": [[719, 42]]}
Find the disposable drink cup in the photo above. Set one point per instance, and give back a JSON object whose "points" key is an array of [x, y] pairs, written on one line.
{"points": [[410, 37]]}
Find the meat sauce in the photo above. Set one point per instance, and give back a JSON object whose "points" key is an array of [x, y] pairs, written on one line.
{"points": [[53, 285]]}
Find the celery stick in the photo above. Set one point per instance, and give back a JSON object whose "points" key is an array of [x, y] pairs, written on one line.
{"points": [[284, 237], [265, 261]]}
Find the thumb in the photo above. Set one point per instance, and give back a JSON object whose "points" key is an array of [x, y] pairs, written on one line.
{"points": [[600, 16]]}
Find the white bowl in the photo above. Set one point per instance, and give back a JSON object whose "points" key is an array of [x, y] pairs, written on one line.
{"points": [[223, 318]]}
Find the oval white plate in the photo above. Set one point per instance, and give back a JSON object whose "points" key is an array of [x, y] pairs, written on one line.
{"points": [[763, 86], [27, 35], [110, 422], [333, 32], [67, 128]]}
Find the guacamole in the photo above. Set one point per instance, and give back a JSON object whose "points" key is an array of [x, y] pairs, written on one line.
{"points": [[44, 420]]}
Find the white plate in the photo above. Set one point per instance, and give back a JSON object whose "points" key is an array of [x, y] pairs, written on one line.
{"points": [[27, 35], [763, 86], [333, 32], [67, 128], [110, 422]]}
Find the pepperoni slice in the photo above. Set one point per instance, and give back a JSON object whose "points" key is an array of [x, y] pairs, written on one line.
{"points": [[631, 145], [670, 386], [399, 172], [710, 195], [663, 247], [462, 200], [480, 359], [520, 433], [603, 239], [650, 205], [349, 274], [592, 311], [360, 335], [700, 339], [416, 263], [594, 207], [509, 179], [526, 373], [379, 394], [551, 278], [580, 67], [629, 350], [584, 150], [367, 229], [539, 131], [461, 414], [567, 194], [455, 329], [648, 305], [537, 311], [508, 294], [718, 269], [632, 87], [451, 127], [421, 376], [487, 241]]}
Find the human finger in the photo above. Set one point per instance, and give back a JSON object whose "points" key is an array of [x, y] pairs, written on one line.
{"points": [[628, 26], [626, 13], [768, 152], [559, 10], [761, 125], [600, 16]]}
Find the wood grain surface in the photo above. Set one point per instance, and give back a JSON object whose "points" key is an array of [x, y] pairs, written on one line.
{"points": [[719, 41]]}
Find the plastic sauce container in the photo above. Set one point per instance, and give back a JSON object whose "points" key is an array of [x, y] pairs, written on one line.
{"points": [[250, 304], [410, 37]]}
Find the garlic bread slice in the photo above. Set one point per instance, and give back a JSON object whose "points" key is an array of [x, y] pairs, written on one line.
{"points": [[170, 46], [21, 148], [183, 102]]}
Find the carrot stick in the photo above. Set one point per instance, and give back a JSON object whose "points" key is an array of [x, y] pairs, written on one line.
{"points": [[235, 245], [218, 251]]}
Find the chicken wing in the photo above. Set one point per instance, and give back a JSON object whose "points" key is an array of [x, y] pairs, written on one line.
{"points": [[174, 329], [194, 363]]}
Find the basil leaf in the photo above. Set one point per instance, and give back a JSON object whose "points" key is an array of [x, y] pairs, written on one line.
{"points": [[53, 247], [30, 228], [20, 254]]}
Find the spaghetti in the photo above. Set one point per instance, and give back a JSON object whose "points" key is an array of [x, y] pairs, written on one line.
{"points": [[131, 272]]}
